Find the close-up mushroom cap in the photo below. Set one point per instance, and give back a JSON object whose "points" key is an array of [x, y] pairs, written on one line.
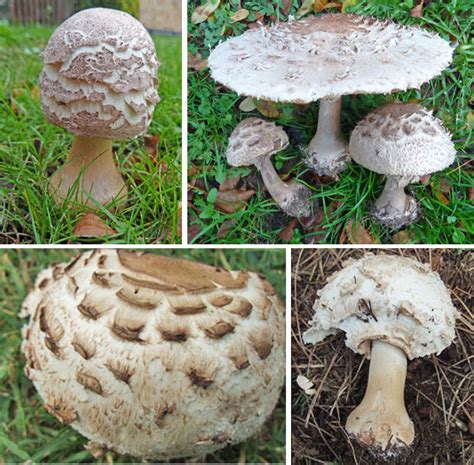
{"points": [[254, 138], [328, 56], [100, 75], [393, 299], [152, 356], [402, 139]]}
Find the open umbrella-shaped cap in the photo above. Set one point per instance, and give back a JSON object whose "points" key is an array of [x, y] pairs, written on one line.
{"points": [[328, 56]]}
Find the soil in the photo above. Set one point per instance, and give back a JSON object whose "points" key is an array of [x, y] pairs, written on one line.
{"points": [[439, 391]]}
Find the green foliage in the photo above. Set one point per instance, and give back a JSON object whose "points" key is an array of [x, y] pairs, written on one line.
{"points": [[29, 433], [129, 6], [213, 114], [31, 149]]}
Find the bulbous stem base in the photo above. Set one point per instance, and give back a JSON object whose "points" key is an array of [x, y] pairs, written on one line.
{"points": [[89, 173], [327, 153], [394, 208]]}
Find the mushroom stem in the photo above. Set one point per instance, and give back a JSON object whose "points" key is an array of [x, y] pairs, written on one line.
{"points": [[394, 208], [381, 420], [89, 173], [327, 151], [292, 197]]}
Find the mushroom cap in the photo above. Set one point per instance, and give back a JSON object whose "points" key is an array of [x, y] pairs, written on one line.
{"points": [[152, 356], [384, 297], [99, 75], [328, 56], [254, 138], [401, 139]]}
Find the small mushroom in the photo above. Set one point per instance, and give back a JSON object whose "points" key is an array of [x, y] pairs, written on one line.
{"points": [[253, 142], [150, 356], [403, 142], [391, 309], [323, 58], [98, 82]]}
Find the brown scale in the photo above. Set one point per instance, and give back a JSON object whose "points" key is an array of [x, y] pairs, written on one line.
{"points": [[266, 286], [52, 346], [238, 355], [102, 260], [199, 378], [218, 329], [221, 300], [162, 412], [31, 357], [148, 284], [72, 286], [120, 371], [58, 272], [71, 265], [240, 306], [262, 341], [172, 331], [94, 305], [142, 298], [85, 350], [61, 410], [127, 331], [104, 279], [90, 382], [186, 305], [50, 325], [44, 283]]}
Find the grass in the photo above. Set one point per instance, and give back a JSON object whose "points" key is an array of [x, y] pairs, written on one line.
{"points": [[214, 112], [31, 149], [438, 390], [29, 433]]}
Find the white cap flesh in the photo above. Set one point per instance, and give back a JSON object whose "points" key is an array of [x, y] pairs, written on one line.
{"points": [[384, 297], [328, 56], [99, 75], [402, 139]]}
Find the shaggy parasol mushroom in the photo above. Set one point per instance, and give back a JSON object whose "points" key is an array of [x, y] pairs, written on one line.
{"points": [[98, 82], [403, 142], [391, 308], [152, 356], [253, 142], [323, 58]]}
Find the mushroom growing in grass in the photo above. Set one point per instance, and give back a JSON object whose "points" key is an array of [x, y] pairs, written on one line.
{"points": [[323, 58], [403, 142], [391, 309], [253, 142], [99, 81], [155, 357]]}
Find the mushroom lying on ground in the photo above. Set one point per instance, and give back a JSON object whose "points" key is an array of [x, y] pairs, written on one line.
{"points": [[403, 142], [98, 82], [155, 357], [253, 142], [323, 58], [391, 308]]}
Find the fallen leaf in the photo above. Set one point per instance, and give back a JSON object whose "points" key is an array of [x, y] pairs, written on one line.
{"points": [[232, 200], [239, 15], [202, 12], [319, 5], [436, 260], [357, 234], [193, 231], [417, 11], [305, 8], [247, 104], [306, 385], [285, 6], [151, 144], [90, 225], [425, 180], [196, 62], [287, 234], [268, 108], [404, 237], [470, 194], [225, 228], [439, 191], [229, 184]]}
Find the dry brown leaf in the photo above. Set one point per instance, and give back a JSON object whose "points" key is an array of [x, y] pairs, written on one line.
{"points": [[287, 234], [151, 144], [247, 104], [357, 234], [425, 180], [404, 237], [286, 6], [193, 231], [436, 260], [319, 5], [239, 15], [268, 108], [229, 184], [196, 62], [202, 12], [470, 194], [225, 228], [417, 11], [232, 200], [439, 194], [90, 225]]}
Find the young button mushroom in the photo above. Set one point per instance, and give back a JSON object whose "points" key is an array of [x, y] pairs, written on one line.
{"points": [[391, 308], [98, 82], [156, 357], [323, 58], [403, 142], [253, 142]]}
